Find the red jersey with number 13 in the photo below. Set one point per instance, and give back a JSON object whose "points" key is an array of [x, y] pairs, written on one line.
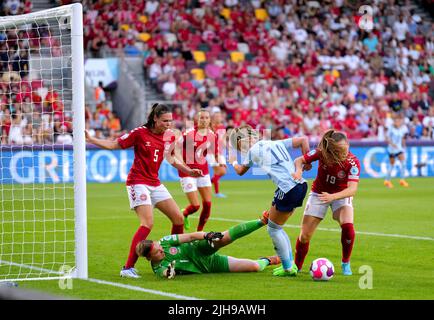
{"points": [[334, 178], [149, 149]]}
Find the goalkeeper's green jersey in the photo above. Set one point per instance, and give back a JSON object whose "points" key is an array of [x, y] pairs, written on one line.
{"points": [[192, 257]]}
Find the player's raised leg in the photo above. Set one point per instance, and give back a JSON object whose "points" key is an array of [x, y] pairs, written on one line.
{"points": [[345, 216], [144, 213], [239, 231]]}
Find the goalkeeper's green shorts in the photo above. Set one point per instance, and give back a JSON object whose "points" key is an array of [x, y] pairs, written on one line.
{"points": [[206, 257]]}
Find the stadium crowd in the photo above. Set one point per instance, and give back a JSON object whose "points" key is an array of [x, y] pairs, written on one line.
{"points": [[32, 112], [296, 67]]}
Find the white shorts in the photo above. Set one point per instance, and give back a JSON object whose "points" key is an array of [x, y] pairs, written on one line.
{"points": [[316, 208], [142, 194], [190, 184], [210, 158]]}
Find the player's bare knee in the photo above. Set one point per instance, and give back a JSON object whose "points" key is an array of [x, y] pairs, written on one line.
{"points": [[179, 219], [255, 267], [147, 224], [305, 237]]}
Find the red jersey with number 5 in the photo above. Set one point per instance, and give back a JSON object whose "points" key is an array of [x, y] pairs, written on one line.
{"points": [[195, 148], [332, 179], [149, 151]]}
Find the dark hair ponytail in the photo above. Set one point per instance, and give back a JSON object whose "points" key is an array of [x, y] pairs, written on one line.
{"points": [[157, 110]]}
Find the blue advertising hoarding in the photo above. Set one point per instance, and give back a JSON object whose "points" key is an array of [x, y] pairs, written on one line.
{"points": [[54, 164]]}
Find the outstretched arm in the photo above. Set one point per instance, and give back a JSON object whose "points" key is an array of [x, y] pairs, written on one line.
{"points": [[239, 168], [102, 143], [208, 236], [180, 165], [174, 157], [302, 143], [189, 237]]}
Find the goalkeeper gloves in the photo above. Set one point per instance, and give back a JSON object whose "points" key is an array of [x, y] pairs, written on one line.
{"points": [[170, 271], [212, 236]]}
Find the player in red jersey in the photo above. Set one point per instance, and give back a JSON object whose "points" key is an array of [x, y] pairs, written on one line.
{"points": [[197, 144], [335, 185], [152, 143], [219, 167]]}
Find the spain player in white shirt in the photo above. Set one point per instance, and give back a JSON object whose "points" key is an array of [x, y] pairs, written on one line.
{"points": [[273, 157], [395, 138]]}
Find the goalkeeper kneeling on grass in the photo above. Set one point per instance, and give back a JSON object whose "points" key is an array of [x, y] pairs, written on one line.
{"points": [[197, 252]]}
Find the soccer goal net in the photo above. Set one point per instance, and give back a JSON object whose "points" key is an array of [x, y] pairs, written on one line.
{"points": [[42, 153]]}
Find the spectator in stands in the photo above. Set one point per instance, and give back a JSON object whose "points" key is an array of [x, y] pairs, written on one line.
{"points": [[64, 137], [99, 95]]}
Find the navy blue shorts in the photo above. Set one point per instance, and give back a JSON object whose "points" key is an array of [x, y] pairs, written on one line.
{"points": [[395, 155], [286, 202]]}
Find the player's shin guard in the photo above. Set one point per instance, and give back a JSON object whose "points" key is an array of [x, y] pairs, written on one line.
{"points": [[281, 243], [301, 250], [190, 210], [243, 229], [177, 229], [347, 239], [204, 215], [141, 234]]}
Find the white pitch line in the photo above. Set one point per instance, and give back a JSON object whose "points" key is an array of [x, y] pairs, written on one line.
{"points": [[109, 283], [135, 288], [293, 226], [339, 230]]}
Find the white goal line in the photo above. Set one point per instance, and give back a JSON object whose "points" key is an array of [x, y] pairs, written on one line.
{"points": [[98, 281]]}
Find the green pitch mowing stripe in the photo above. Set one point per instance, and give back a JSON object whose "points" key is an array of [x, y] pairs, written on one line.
{"points": [[394, 232]]}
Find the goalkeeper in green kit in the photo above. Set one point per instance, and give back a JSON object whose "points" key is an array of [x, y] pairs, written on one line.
{"points": [[197, 252]]}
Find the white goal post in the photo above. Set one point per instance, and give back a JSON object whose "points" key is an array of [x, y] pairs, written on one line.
{"points": [[43, 218]]}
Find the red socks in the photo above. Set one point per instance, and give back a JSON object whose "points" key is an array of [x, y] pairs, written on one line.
{"points": [[140, 235], [347, 239], [177, 229], [215, 181], [204, 215], [301, 250], [190, 210]]}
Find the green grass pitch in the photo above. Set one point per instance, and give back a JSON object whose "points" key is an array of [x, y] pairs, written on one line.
{"points": [[402, 265]]}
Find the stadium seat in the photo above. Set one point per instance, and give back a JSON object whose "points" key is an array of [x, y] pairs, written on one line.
{"points": [[226, 13], [199, 56], [144, 36], [237, 56], [261, 14], [198, 74]]}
